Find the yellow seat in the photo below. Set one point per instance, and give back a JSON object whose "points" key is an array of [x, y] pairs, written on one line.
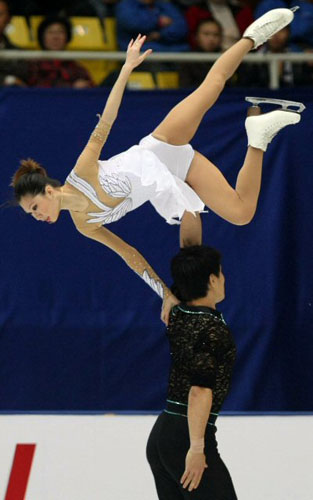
{"points": [[141, 80], [167, 80], [99, 70], [18, 32], [88, 34], [110, 36], [34, 23]]}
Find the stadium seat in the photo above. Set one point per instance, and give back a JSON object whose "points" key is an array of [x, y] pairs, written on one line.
{"points": [[88, 34], [99, 70], [141, 80], [167, 80], [34, 23], [19, 33], [110, 36]]}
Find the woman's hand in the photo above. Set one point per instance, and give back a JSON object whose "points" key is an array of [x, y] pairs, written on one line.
{"points": [[195, 466], [134, 57], [169, 302]]}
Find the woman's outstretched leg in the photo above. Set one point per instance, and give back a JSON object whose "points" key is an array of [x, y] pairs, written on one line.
{"points": [[182, 122], [238, 205], [234, 205], [180, 125]]}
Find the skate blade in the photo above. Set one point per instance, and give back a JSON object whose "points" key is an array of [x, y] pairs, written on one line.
{"points": [[285, 105], [295, 8]]}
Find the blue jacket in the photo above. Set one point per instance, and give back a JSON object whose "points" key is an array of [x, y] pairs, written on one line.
{"points": [[135, 17], [301, 28]]}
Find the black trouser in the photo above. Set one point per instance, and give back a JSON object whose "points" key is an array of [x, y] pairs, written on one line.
{"points": [[167, 447]]}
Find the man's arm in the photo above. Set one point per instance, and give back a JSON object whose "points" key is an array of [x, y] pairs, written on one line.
{"points": [[190, 231], [199, 407]]}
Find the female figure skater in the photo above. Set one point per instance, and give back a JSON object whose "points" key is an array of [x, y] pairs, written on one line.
{"points": [[163, 169]]}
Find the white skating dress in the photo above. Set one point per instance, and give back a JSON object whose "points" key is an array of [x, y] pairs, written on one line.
{"points": [[151, 171]]}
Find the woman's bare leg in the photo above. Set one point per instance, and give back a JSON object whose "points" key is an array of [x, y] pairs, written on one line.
{"points": [[182, 122], [234, 205]]}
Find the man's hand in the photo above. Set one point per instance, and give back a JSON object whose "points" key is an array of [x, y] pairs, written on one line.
{"points": [[169, 302], [194, 468]]}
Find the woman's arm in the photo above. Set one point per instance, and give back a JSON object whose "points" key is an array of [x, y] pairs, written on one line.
{"points": [[92, 151], [135, 261]]}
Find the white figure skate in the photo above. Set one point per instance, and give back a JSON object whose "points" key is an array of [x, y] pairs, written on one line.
{"points": [[263, 128], [267, 25]]}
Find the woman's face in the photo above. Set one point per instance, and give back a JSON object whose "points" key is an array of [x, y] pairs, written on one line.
{"points": [[43, 207], [208, 37], [55, 37]]}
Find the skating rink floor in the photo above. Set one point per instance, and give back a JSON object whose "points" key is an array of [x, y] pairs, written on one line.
{"points": [[102, 457]]}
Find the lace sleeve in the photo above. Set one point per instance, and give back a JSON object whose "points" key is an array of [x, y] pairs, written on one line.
{"points": [[203, 370], [203, 366]]}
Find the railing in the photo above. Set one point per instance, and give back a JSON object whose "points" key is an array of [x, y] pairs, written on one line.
{"points": [[272, 60]]}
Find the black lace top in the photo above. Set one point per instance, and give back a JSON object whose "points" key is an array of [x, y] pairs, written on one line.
{"points": [[203, 352]]}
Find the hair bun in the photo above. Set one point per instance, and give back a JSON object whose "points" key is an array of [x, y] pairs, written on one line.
{"points": [[27, 167]]}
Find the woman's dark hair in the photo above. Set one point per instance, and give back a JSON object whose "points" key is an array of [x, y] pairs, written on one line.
{"points": [[191, 269], [31, 178], [54, 20], [209, 20]]}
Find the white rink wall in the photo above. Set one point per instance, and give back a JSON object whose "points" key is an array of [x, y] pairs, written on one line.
{"points": [[102, 457]]}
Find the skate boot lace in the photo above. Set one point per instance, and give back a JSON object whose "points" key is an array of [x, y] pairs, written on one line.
{"points": [[265, 30], [272, 130]]}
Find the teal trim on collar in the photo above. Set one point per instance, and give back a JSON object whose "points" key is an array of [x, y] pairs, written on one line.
{"points": [[201, 310]]}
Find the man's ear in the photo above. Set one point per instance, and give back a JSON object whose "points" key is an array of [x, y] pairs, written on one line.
{"points": [[212, 280]]}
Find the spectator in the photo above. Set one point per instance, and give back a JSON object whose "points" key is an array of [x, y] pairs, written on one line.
{"points": [[290, 74], [54, 33], [302, 26], [12, 72], [183, 4], [161, 21], [37, 7], [233, 17], [100, 8], [208, 38]]}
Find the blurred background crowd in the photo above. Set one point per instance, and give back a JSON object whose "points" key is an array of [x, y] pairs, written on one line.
{"points": [[206, 26]]}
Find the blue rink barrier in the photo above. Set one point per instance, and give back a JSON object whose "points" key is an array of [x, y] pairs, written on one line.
{"points": [[80, 332]]}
